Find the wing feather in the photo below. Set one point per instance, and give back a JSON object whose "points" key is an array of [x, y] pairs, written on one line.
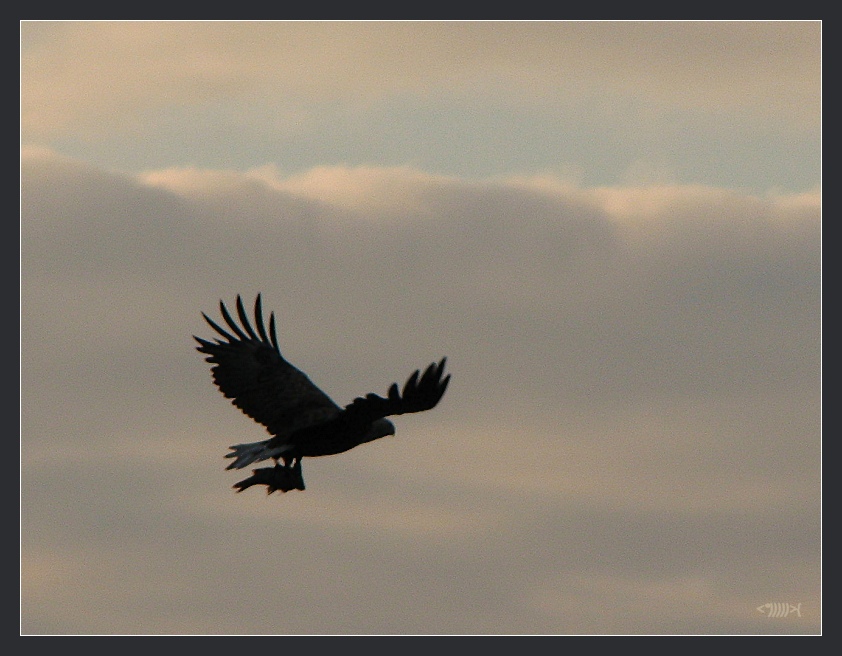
{"points": [[233, 324], [420, 392], [272, 331], [249, 369], [244, 318], [218, 329], [258, 319]]}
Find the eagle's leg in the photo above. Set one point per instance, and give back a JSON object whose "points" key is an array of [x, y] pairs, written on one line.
{"points": [[291, 462], [293, 466], [299, 477]]}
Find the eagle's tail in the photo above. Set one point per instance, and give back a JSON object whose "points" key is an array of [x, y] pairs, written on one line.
{"points": [[245, 454]]}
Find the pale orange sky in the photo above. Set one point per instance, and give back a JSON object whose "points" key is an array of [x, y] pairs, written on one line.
{"points": [[723, 103], [631, 439]]}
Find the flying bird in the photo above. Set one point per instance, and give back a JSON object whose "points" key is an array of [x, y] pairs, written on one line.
{"points": [[249, 369]]}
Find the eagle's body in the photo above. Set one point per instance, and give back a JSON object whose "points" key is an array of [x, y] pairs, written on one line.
{"points": [[303, 421]]}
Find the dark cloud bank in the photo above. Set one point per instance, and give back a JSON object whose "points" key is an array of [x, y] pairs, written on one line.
{"points": [[630, 443]]}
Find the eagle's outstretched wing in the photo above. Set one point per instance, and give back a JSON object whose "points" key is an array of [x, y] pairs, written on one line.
{"points": [[250, 370], [418, 394]]}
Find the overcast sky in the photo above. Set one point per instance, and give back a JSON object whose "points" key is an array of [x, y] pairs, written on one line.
{"points": [[612, 230]]}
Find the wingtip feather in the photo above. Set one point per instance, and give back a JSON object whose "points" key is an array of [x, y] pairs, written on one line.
{"points": [[230, 321], [244, 318], [258, 320], [273, 333], [218, 328]]}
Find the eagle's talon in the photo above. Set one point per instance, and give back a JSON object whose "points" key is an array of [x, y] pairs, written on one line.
{"points": [[274, 478]]}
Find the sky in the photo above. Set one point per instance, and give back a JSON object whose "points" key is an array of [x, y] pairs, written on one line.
{"points": [[611, 229]]}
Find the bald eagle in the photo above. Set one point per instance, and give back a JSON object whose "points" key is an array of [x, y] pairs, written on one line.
{"points": [[249, 369]]}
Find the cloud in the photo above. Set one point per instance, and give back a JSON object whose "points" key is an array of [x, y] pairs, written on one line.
{"points": [[630, 442], [95, 76]]}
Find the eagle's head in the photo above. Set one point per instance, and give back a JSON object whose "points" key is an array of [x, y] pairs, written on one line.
{"points": [[379, 428]]}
